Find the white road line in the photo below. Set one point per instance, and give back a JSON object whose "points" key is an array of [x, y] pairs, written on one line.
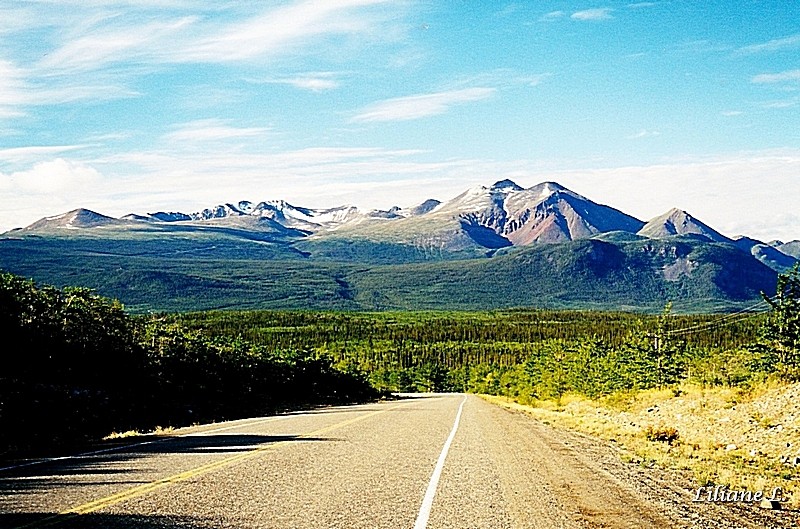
{"points": [[427, 502]]}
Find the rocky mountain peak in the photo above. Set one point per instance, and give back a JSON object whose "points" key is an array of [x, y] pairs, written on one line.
{"points": [[679, 222], [506, 185]]}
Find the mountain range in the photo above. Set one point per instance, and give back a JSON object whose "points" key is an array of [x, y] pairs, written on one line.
{"points": [[489, 247]]}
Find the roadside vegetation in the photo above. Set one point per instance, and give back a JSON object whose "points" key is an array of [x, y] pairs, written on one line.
{"points": [[76, 367]]}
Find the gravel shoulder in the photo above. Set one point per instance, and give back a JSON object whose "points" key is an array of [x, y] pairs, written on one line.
{"points": [[614, 482]]}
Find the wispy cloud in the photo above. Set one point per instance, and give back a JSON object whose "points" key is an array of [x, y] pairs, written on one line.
{"points": [[212, 130], [152, 35], [502, 78], [783, 103], [315, 81], [100, 48], [552, 15], [33, 153], [731, 113], [508, 10], [640, 5], [771, 78], [20, 89], [283, 29], [13, 89], [792, 41], [644, 133], [420, 106], [601, 13], [700, 46]]}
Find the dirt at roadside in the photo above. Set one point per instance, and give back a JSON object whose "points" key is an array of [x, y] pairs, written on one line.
{"points": [[608, 488]]}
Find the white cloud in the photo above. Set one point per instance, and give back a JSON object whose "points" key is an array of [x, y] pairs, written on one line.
{"points": [[280, 30], [501, 79], [420, 106], [602, 13], [211, 130], [51, 177], [791, 41], [739, 193], [769, 78], [640, 5], [730, 113], [20, 89], [535, 80], [98, 49], [784, 103], [150, 35], [728, 192], [34, 153], [552, 15], [315, 82], [13, 89], [644, 133]]}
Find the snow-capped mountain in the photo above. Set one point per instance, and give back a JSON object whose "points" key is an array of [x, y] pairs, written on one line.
{"points": [[308, 219], [504, 214], [490, 246], [75, 219], [679, 222], [479, 219]]}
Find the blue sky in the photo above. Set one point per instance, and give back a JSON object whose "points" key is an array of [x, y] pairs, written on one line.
{"points": [[143, 105]]}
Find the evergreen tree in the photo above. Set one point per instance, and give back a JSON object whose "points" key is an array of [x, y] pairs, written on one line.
{"points": [[782, 330]]}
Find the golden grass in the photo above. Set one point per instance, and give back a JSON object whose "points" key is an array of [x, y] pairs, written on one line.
{"points": [[134, 433], [642, 423]]}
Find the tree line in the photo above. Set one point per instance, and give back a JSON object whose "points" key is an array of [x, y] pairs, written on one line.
{"points": [[531, 354], [76, 366]]}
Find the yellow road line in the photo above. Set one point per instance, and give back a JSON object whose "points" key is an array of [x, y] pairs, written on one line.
{"points": [[146, 488]]}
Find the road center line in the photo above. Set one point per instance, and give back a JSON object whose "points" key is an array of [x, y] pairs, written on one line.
{"points": [[430, 493], [146, 488]]}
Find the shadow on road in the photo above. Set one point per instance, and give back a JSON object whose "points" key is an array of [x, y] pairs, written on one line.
{"points": [[103, 521], [98, 469]]}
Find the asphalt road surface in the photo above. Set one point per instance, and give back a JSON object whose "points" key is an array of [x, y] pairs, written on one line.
{"points": [[437, 461]]}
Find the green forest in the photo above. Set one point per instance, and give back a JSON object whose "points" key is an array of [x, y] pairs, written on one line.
{"points": [[532, 354], [76, 367], [80, 366]]}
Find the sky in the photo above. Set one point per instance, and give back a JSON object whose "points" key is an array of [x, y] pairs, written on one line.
{"points": [[139, 106]]}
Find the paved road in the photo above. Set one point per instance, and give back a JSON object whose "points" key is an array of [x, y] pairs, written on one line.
{"points": [[436, 461]]}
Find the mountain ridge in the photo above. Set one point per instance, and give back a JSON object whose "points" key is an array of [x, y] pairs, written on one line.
{"points": [[490, 246]]}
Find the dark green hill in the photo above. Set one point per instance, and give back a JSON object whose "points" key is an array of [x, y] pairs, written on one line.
{"points": [[221, 268], [697, 276]]}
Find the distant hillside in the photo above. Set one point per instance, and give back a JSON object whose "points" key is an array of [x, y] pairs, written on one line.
{"points": [[489, 247]]}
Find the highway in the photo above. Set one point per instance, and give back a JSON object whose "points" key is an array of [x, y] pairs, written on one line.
{"points": [[436, 461]]}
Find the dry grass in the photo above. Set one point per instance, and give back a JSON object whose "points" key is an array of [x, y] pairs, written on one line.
{"points": [[134, 433], [724, 436]]}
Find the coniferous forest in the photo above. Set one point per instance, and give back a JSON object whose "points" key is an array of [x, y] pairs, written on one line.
{"points": [[76, 366]]}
